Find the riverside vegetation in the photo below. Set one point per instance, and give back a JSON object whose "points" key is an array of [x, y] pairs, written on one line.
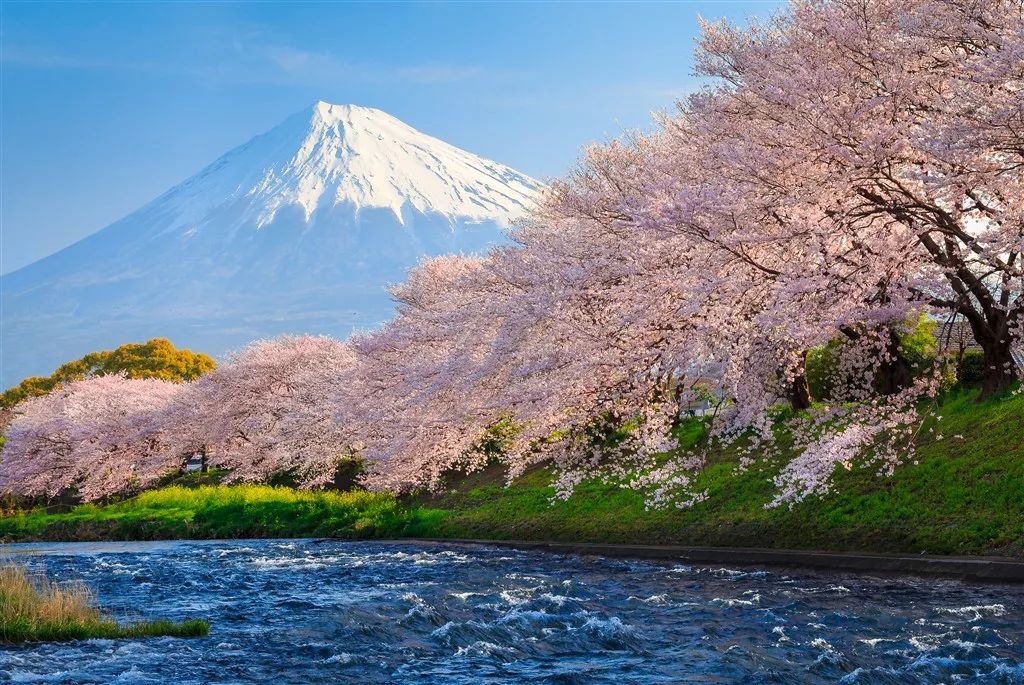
{"points": [[36, 609], [964, 496]]}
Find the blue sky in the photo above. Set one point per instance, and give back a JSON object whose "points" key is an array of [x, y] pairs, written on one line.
{"points": [[103, 106]]}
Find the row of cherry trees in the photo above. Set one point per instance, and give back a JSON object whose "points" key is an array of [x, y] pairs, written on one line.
{"points": [[855, 163], [268, 411]]}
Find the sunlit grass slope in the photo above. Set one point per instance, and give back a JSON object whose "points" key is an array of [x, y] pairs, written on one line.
{"points": [[219, 511], [966, 496], [35, 609]]}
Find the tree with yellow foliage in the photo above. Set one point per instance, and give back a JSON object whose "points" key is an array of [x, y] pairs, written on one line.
{"points": [[156, 358]]}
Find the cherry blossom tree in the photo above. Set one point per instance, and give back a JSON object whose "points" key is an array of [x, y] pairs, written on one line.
{"points": [[895, 127], [95, 438], [267, 411], [549, 335], [405, 400], [799, 200], [861, 161]]}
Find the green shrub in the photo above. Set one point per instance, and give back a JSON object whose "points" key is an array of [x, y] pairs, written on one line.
{"points": [[219, 511], [918, 347], [970, 370], [156, 358], [822, 368]]}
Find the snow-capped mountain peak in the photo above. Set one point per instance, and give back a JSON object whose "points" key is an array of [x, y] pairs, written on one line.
{"points": [[297, 230], [330, 155]]}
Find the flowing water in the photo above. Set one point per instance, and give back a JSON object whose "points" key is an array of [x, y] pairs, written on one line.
{"points": [[309, 611]]}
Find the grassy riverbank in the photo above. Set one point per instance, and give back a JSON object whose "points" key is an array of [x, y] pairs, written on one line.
{"points": [[219, 511], [35, 609], [966, 496]]}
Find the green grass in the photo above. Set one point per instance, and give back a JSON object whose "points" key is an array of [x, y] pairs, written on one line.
{"points": [[219, 511], [35, 609], [965, 497]]}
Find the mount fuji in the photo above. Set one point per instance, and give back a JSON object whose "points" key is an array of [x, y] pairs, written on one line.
{"points": [[298, 230]]}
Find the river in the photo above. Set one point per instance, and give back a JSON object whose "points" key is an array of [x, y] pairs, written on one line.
{"points": [[315, 611]]}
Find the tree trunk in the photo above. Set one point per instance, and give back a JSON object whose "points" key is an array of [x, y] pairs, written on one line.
{"points": [[989, 309], [993, 334], [1000, 369], [799, 390], [894, 374]]}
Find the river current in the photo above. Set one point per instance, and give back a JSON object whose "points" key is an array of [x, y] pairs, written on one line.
{"points": [[314, 611]]}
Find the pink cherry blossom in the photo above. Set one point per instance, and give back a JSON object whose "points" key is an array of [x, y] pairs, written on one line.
{"points": [[98, 436], [267, 411]]}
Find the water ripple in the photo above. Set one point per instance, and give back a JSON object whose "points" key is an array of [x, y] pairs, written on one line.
{"points": [[302, 611]]}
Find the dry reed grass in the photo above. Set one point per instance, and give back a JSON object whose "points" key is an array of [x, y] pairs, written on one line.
{"points": [[35, 608]]}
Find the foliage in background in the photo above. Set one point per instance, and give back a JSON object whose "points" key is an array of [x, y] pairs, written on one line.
{"points": [[157, 358], [916, 343], [971, 369]]}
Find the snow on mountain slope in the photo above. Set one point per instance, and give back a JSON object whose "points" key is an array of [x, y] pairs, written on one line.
{"points": [[337, 154], [297, 230]]}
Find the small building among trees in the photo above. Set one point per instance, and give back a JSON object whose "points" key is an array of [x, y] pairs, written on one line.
{"points": [[196, 463]]}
